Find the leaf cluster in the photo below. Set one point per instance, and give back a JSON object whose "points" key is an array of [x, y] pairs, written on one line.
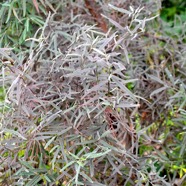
{"points": [[81, 106]]}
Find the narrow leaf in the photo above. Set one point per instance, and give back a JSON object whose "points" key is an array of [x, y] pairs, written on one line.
{"points": [[49, 142], [157, 91]]}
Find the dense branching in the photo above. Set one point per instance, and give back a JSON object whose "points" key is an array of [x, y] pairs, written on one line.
{"points": [[94, 105]]}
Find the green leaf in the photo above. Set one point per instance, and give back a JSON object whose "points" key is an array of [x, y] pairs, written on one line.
{"points": [[9, 13], [34, 181], [49, 142], [27, 164], [67, 165], [96, 155], [24, 7]]}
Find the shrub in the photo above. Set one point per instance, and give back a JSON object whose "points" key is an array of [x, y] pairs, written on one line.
{"points": [[85, 107]]}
